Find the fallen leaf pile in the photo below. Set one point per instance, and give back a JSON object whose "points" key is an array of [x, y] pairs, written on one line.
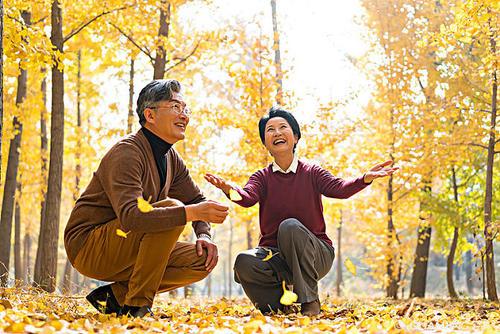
{"points": [[31, 311]]}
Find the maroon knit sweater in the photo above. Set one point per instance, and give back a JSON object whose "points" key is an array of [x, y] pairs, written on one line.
{"points": [[294, 195]]}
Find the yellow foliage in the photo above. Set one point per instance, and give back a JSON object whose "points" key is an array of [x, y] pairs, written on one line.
{"points": [[288, 297], [143, 205]]}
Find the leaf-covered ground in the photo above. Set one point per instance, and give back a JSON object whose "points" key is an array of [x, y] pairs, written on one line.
{"points": [[34, 312]]}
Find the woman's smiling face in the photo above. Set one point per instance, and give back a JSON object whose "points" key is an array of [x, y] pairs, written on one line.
{"points": [[279, 137]]}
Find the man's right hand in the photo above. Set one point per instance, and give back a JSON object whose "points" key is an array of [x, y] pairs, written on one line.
{"points": [[209, 211]]}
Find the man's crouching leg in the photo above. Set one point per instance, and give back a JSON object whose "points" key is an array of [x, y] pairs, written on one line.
{"points": [[136, 263], [184, 267]]}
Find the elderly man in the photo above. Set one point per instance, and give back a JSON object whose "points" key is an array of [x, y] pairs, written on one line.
{"points": [[112, 235]]}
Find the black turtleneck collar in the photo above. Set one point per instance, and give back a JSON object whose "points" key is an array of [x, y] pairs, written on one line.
{"points": [[160, 148]]}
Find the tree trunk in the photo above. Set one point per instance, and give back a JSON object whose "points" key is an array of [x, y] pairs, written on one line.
{"points": [[130, 119], [65, 285], [79, 131], [488, 227], [46, 257], [44, 144], [419, 276], [451, 255], [338, 282], [18, 266], [468, 273], [1, 83], [248, 225], [27, 257], [277, 55], [209, 285], [229, 260], [392, 287], [224, 275], [11, 174], [161, 53]]}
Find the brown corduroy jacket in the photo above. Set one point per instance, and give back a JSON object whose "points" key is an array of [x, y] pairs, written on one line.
{"points": [[128, 171]]}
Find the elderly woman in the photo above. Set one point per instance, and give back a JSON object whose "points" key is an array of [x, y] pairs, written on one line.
{"points": [[292, 225]]}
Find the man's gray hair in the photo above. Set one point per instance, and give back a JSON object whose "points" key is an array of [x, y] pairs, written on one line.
{"points": [[155, 91]]}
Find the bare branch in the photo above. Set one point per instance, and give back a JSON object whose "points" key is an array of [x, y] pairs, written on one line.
{"points": [[142, 49], [84, 24], [181, 60], [402, 195], [40, 20], [466, 144]]}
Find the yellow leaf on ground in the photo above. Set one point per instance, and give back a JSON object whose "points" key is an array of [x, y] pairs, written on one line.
{"points": [[121, 233], [5, 303], [350, 266], [234, 195], [143, 205], [289, 297]]}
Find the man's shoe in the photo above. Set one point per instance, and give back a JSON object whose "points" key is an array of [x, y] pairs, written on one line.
{"points": [[311, 309], [290, 309], [104, 300], [136, 311]]}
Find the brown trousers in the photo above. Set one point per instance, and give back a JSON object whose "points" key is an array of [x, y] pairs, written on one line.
{"points": [[142, 264]]}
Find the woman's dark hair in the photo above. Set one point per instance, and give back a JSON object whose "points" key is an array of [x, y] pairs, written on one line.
{"points": [[155, 91], [277, 112]]}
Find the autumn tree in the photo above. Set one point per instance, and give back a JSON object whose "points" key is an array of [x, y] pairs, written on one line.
{"points": [[470, 58]]}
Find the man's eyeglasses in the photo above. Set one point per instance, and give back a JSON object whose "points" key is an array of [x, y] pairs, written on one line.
{"points": [[176, 107]]}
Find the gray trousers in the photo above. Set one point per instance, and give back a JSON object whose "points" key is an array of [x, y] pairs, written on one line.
{"points": [[308, 258]]}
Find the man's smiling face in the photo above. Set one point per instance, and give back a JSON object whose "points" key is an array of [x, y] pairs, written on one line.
{"points": [[165, 122]]}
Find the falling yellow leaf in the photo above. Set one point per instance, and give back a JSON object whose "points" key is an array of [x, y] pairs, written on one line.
{"points": [[289, 297], [234, 195], [143, 205], [269, 255], [350, 266], [121, 233]]}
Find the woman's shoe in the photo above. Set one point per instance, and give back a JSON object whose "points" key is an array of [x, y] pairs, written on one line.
{"points": [[311, 309]]}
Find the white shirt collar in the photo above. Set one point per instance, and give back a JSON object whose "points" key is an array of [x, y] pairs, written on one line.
{"points": [[292, 168]]}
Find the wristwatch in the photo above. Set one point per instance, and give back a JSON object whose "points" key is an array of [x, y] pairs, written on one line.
{"points": [[206, 235]]}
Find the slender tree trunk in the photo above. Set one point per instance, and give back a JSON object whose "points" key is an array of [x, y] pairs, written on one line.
{"points": [[469, 272], [27, 257], [44, 145], [130, 119], [18, 265], [11, 175], [161, 53], [224, 275], [488, 228], [229, 260], [453, 247], [65, 285], [75, 281], [419, 276], [79, 131], [277, 55], [392, 287], [46, 258], [338, 282], [248, 225], [209, 285], [1, 84]]}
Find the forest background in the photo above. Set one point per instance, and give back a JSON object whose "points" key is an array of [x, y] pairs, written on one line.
{"points": [[414, 81]]}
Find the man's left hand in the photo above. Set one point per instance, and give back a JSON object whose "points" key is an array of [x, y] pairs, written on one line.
{"points": [[379, 170], [212, 252]]}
